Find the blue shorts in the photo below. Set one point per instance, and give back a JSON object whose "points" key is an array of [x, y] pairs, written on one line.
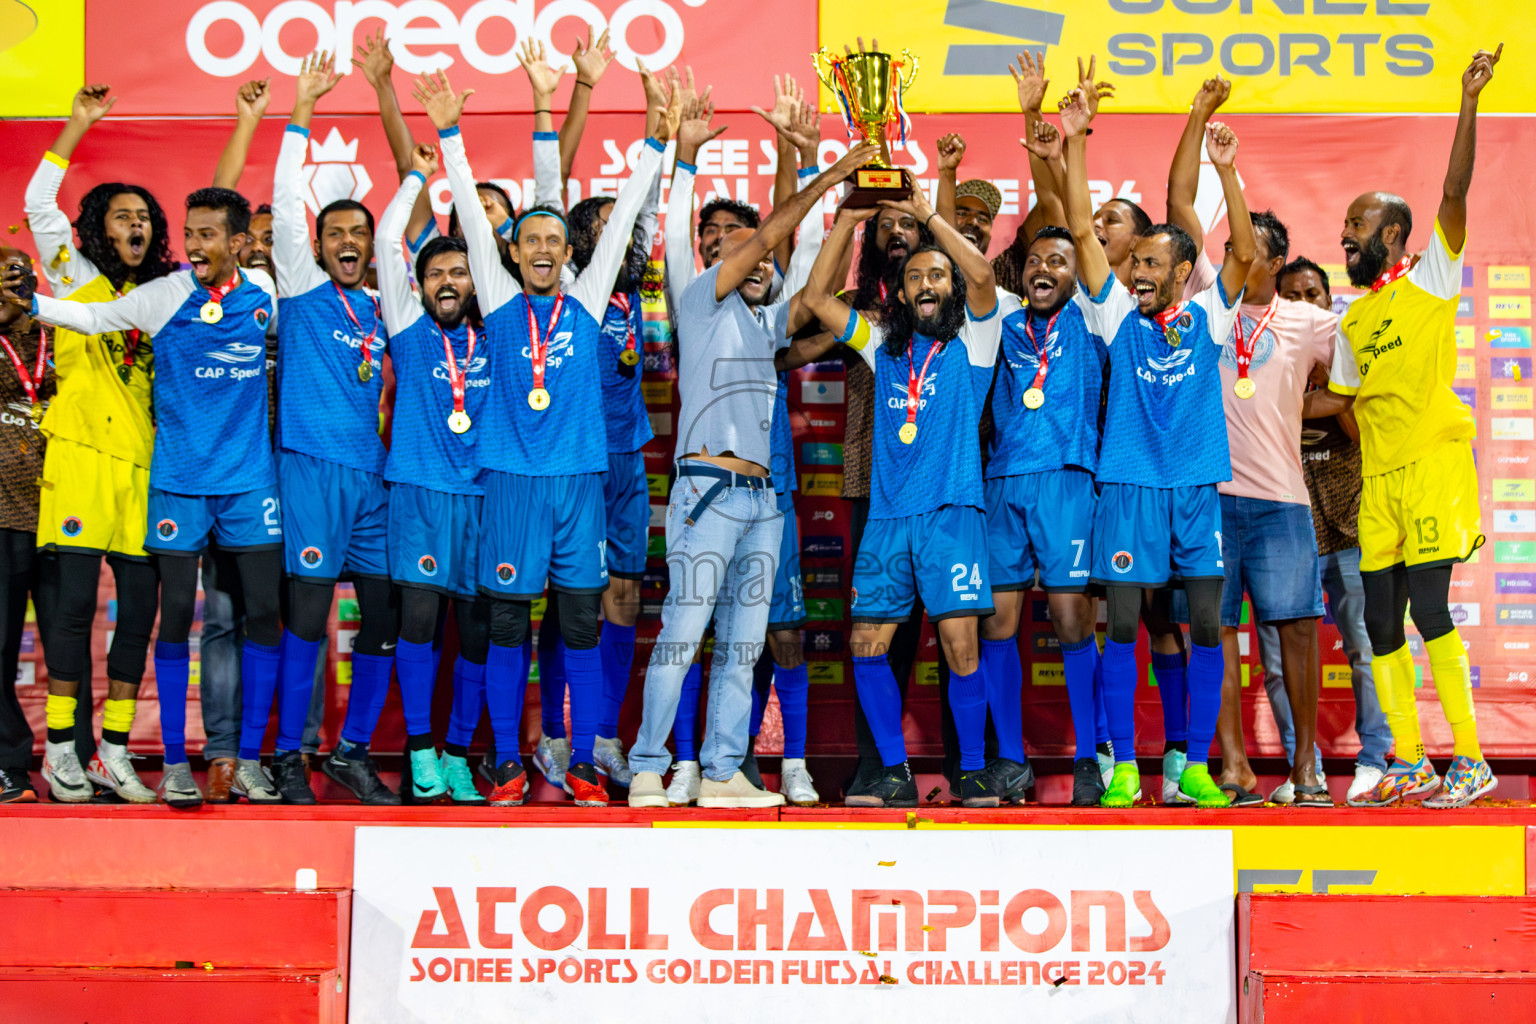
{"points": [[940, 556], [1147, 536], [179, 524], [337, 518], [534, 528], [434, 539], [788, 610], [1041, 521], [1270, 551], [627, 497]]}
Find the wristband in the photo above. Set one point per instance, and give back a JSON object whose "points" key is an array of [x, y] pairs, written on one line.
{"points": [[929, 218], [545, 110], [587, 84]]}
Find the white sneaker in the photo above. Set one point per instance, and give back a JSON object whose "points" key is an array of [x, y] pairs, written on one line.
{"points": [[1285, 793], [552, 758], [738, 792], [61, 767], [645, 790], [1174, 763], [111, 767], [795, 783], [177, 788], [608, 756], [684, 788], [254, 782], [1366, 777]]}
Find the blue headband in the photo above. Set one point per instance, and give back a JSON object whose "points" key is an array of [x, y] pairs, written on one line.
{"points": [[518, 227]]}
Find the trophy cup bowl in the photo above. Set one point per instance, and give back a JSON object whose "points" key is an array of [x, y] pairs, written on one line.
{"points": [[869, 87]]}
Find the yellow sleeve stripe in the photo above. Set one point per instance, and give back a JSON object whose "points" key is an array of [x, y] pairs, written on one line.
{"points": [[1341, 389], [856, 334], [1447, 246], [56, 160]]}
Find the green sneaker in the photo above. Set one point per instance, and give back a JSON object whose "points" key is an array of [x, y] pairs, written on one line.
{"points": [[1197, 787], [427, 782], [1124, 787], [460, 780]]}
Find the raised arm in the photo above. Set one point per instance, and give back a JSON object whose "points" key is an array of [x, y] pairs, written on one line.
{"points": [[251, 101], [591, 59], [292, 256], [1184, 172], [596, 283], [1031, 83], [400, 305], [1221, 143], [798, 138], [146, 308], [1093, 267], [818, 299], [51, 229], [1458, 176], [980, 281], [543, 80], [951, 150], [692, 132]]}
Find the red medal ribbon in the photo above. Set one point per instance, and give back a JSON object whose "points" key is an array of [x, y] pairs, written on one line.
{"points": [[1041, 350], [30, 383], [914, 380], [216, 295], [620, 302], [1166, 318], [456, 377], [132, 335], [1243, 350], [1393, 274], [538, 348], [357, 324]]}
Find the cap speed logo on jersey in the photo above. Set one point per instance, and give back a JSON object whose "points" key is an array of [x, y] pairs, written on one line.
{"points": [[311, 557], [167, 529], [71, 526], [1122, 561], [427, 564], [506, 573]]}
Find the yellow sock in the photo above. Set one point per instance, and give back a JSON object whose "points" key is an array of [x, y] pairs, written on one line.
{"points": [[1394, 689], [117, 719], [1453, 682], [60, 712]]}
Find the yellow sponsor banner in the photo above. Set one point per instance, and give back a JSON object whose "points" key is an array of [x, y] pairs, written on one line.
{"points": [[656, 484], [1509, 307], [828, 673], [1338, 275], [656, 392], [1513, 489], [1466, 336], [1048, 674], [42, 56], [1512, 398], [1466, 368], [1509, 277], [1338, 675], [823, 485], [1284, 56], [344, 673], [927, 673]]}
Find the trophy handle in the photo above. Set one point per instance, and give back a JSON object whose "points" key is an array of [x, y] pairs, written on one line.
{"points": [[911, 59], [822, 62]]}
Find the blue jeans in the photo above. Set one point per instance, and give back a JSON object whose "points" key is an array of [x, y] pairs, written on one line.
{"points": [[721, 566], [1346, 602]]}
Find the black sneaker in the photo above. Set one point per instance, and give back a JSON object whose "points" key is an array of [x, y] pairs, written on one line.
{"points": [[1012, 779], [894, 788], [289, 781], [1087, 782], [749, 765], [361, 776], [16, 787], [863, 779], [977, 789], [486, 769]]}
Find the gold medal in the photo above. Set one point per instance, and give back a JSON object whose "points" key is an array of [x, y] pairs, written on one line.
{"points": [[907, 433], [67, 279], [1244, 387], [538, 399], [37, 412], [211, 312], [458, 421], [629, 357], [365, 372], [1172, 337], [1034, 398]]}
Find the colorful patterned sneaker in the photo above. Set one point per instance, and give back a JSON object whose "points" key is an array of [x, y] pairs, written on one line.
{"points": [[608, 755], [1106, 759], [582, 784], [1465, 781], [1197, 787], [1124, 787], [112, 768], [552, 757], [461, 781], [1174, 763], [1402, 781], [427, 782]]}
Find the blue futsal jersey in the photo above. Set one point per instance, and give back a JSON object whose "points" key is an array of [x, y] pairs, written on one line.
{"points": [[1065, 430], [781, 442], [1165, 425], [210, 379], [629, 425]]}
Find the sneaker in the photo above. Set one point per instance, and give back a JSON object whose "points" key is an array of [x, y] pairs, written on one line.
{"points": [[459, 779], [1011, 778], [1174, 763], [291, 779], [67, 783], [1285, 793], [1402, 781], [738, 792], [1465, 781], [894, 788], [177, 788], [1087, 782], [1124, 787], [509, 784], [864, 778], [112, 768], [361, 776], [16, 787], [609, 758], [427, 782], [1106, 759], [795, 783], [583, 785], [684, 787], [1366, 777], [749, 765], [977, 788], [552, 758], [646, 790], [253, 782], [1197, 787]]}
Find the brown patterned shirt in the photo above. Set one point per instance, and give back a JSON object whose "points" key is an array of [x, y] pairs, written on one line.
{"points": [[21, 442]]}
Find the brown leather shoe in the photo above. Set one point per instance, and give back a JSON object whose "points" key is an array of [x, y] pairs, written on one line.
{"points": [[221, 773]]}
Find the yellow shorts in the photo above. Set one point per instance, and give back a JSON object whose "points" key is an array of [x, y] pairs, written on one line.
{"points": [[1423, 514], [92, 502]]}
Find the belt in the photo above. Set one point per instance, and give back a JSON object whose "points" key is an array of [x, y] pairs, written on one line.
{"points": [[722, 478]]}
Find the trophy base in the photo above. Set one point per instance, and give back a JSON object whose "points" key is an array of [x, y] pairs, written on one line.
{"points": [[870, 185]]}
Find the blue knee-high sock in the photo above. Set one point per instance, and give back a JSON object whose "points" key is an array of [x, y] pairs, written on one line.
{"points": [[1173, 687], [616, 648], [551, 681], [1002, 675], [1101, 716], [1120, 698], [685, 727], [370, 685], [880, 698], [762, 679], [413, 667], [296, 681], [584, 674], [505, 687], [794, 686], [1206, 666], [468, 702], [172, 670], [258, 684], [968, 701], [1082, 662]]}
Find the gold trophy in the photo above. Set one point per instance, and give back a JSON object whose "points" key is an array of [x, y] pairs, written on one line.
{"points": [[869, 87]]}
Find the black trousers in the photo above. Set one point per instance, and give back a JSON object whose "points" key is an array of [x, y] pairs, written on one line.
{"points": [[18, 579]]}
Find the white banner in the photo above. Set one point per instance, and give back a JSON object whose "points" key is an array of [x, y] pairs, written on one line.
{"points": [[644, 925]]}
